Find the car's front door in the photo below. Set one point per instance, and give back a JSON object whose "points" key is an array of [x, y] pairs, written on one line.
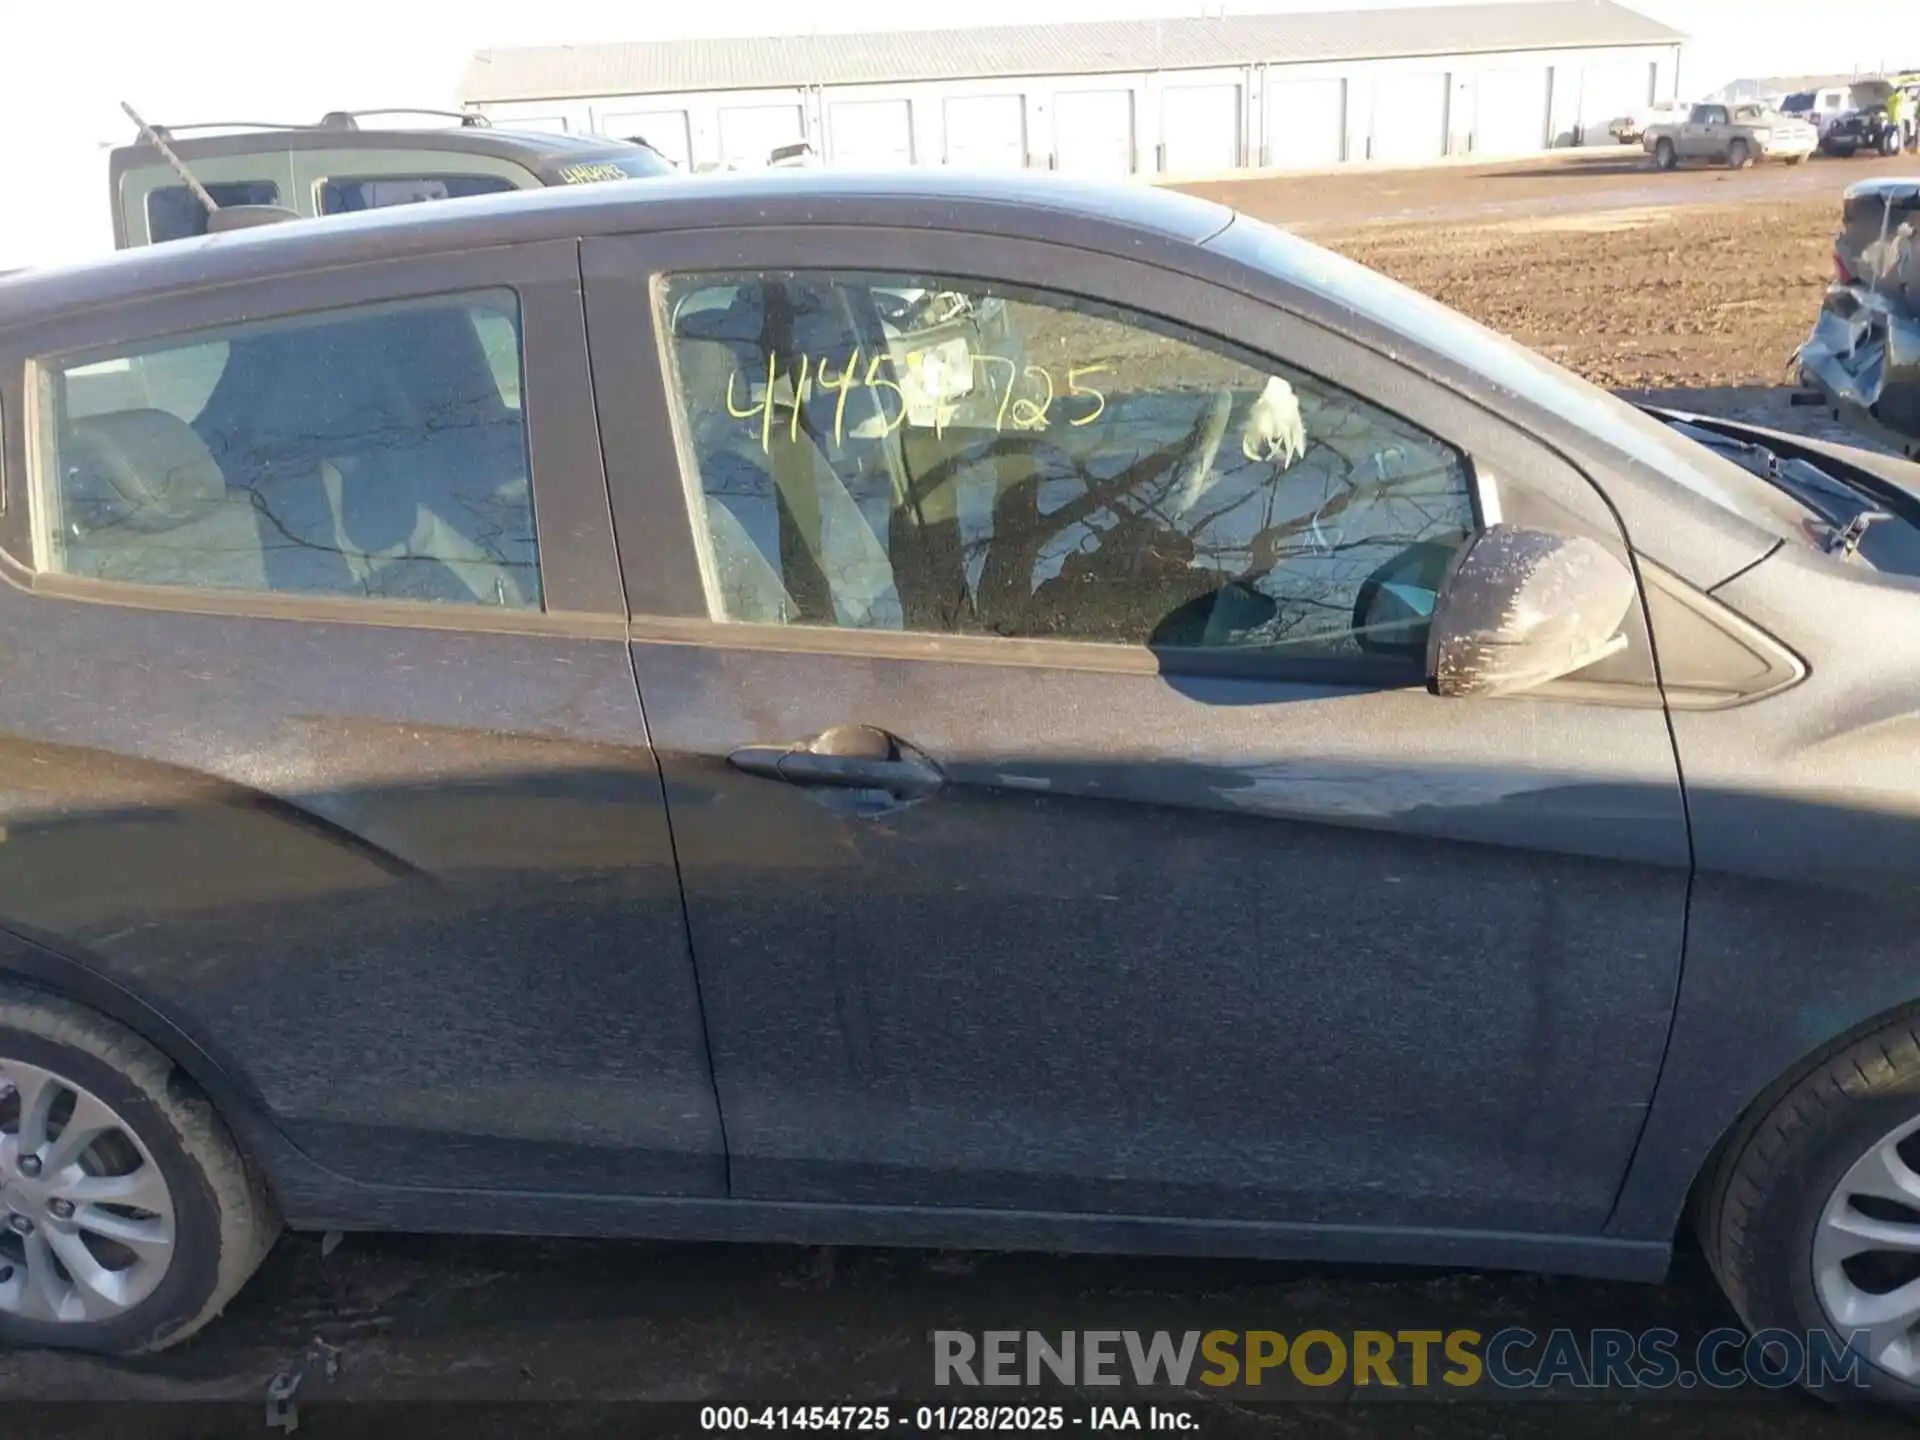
{"points": [[320, 732], [1062, 820]]}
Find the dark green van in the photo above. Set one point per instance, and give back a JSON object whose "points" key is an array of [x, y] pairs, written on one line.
{"points": [[337, 166]]}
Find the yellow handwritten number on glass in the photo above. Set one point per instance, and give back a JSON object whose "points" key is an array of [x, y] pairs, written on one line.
{"points": [[1006, 394], [764, 409], [1074, 387], [843, 385], [1030, 414], [874, 381]]}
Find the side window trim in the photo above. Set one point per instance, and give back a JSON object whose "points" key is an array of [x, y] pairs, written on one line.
{"points": [[578, 566]]}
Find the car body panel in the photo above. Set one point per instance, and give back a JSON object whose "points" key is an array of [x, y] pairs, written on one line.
{"points": [[374, 857], [1127, 902], [463, 829], [1807, 889]]}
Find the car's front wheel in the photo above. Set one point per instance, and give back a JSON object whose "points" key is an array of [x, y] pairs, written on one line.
{"points": [[128, 1215], [1739, 155], [1812, 1219], [1665, 157]]}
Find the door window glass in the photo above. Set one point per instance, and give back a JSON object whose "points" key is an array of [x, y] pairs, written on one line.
{"points": [[376, 452], [376, 192], [915, 453], [174, 212]]}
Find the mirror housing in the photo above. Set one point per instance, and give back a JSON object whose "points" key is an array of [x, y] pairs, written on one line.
{"points": [[1518, 608]]}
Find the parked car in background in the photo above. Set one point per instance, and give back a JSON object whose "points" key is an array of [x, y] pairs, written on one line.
{"points": [[1864, 124], [1735, 136], [1867, 130], [1863, 356], [1099, 654], [1630, 129], [1819, 108], [337, 166], [799, 153]]}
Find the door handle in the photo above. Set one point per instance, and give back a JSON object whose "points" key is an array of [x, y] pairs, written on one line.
{"points": [[847, 757]]}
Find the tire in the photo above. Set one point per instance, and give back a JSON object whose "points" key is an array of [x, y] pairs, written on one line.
{"points": [[1781, 1172], [1665, 157], [209, 1220], [1739, 156], [1795, 159]]}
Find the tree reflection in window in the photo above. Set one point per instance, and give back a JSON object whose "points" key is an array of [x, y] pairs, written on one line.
{"points": [[1007, 463]]}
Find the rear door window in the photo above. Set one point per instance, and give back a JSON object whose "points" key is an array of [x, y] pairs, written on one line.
{"points": [[175, 213], [376, 452], [343, 195]]}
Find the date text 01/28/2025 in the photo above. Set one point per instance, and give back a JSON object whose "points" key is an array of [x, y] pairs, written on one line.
{"points": [[926, 1419]]}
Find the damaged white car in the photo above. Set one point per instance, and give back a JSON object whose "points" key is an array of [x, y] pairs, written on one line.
{"points": [[1864, 354]]}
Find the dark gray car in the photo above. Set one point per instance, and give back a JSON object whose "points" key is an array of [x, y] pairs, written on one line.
{"points": [[928, 710]]}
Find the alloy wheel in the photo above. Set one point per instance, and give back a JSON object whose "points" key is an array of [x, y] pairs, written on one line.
{"points": [[86, 1217]]}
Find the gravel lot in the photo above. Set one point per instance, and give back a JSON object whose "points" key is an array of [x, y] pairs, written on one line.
{"points": [[1696, 285]]}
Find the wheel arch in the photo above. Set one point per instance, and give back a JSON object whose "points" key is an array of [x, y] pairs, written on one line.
{"points": [[44, 964], [1735, 1133]]}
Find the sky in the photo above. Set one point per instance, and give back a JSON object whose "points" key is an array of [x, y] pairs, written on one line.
{"points": [[64, 68]]}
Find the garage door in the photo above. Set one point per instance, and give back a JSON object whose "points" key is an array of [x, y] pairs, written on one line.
{"points": [[871, 133], [1093, 132], [1409, 118], [987, 132], [1510, 111], [749, 134], [1306, 123], [665, 130], [1200, 128], [1609, 91]]}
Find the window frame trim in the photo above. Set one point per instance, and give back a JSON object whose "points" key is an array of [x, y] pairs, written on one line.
{"points": [[577, 562], [668, 596]]}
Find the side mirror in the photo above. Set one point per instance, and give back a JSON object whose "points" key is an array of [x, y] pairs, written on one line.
{"points": [[1518, 608], [1394, 606]]}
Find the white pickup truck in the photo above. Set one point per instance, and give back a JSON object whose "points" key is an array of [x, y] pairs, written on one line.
{"points": [[1734, 136]]}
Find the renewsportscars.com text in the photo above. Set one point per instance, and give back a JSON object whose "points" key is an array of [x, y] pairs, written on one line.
{"points": [[1513, 1359]]}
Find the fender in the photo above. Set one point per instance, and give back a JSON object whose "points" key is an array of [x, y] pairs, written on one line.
{"points": [[42, 961]]}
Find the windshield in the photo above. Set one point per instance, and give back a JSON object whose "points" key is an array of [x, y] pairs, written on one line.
{"points": [[1797, 104], [1501, 361]]}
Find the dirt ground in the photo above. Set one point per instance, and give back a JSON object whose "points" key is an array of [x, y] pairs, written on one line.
{"points": [[1696, 285], [1699, 279]]}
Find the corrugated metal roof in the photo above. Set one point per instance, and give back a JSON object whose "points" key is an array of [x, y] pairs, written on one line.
{"points": [[554, 72]]}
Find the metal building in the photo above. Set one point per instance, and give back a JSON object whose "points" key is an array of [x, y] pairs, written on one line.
{"points": [[1168, 97]]}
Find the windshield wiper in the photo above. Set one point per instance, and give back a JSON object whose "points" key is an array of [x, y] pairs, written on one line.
{"points": [[1846, 541], [1802, 479]]}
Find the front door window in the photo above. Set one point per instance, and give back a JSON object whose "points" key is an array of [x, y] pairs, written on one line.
{"points": [[927, 454]]}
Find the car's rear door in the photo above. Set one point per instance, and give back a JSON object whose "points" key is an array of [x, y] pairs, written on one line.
{"points": [[319, 730], [1049, 840]]}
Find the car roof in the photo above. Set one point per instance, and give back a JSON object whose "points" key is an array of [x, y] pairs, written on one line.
{"points": [[527, 145], [1116, 217]]}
